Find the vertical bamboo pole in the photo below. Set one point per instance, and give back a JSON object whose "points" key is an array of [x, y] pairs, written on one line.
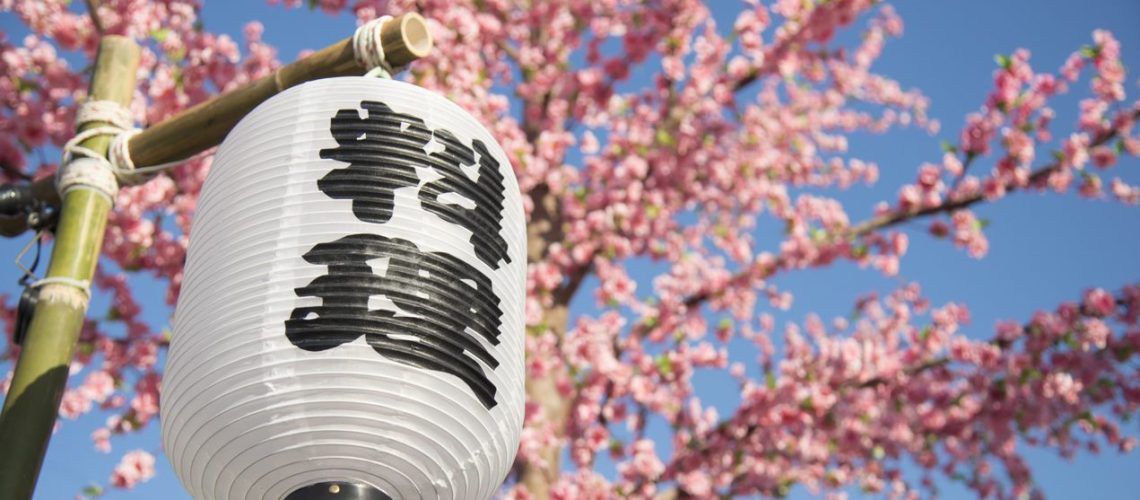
{"points": [[32, 403]]}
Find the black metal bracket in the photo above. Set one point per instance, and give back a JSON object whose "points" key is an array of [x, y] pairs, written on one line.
{"points": [[30, 297], [24, 312], [16, 199]]}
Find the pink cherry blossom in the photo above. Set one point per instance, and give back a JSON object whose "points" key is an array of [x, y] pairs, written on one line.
{"points": [[136, 467]]}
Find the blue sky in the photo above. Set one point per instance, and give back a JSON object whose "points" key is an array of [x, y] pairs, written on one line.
{"points": [[1044, 248]]}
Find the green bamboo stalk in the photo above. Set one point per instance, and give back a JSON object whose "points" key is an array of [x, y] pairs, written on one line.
{"points": [[32, 403]]}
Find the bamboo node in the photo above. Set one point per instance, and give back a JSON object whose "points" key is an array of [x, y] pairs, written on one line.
{"points": [[63, 289], [63, 294]]}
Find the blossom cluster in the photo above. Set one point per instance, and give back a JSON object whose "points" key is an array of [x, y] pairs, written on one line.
{"points": [[1016, 119]]}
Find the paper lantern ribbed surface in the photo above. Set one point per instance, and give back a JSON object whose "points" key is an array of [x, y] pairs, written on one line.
{"points": [[352, 305]]}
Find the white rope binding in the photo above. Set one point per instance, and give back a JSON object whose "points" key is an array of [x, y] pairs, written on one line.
{"points": [[369, 50], [104, 111], [84, 167], [91, 172], [119, 154]]}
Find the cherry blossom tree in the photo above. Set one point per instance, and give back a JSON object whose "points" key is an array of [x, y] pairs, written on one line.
{"points": [[728, 127]]}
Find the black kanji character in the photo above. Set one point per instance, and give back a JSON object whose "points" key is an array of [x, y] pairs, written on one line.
{"points": [[447, 295], [383, 151]]}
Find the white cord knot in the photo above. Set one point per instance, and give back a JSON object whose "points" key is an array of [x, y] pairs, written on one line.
{"points": [[119, 154], [85, 167], [369, 50]]}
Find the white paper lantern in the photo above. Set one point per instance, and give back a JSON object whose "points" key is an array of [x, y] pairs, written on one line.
{"points": [[352, 308]]}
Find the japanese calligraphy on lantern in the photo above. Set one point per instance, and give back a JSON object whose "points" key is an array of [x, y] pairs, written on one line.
{"points": [[447, 298], [352, 306]]}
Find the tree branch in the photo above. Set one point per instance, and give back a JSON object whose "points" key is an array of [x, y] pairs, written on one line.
{"points": [[93, 11], [1036, 178], [869, 226]]}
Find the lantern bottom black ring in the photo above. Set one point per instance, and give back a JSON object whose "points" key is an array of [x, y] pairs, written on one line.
{"points": [[338, 490]]}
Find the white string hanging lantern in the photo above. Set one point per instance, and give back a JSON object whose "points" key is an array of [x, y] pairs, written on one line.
{"points": [[351, 314]]}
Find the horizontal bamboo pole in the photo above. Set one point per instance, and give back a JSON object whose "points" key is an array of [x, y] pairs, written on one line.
{"points": [[404, 38]]}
